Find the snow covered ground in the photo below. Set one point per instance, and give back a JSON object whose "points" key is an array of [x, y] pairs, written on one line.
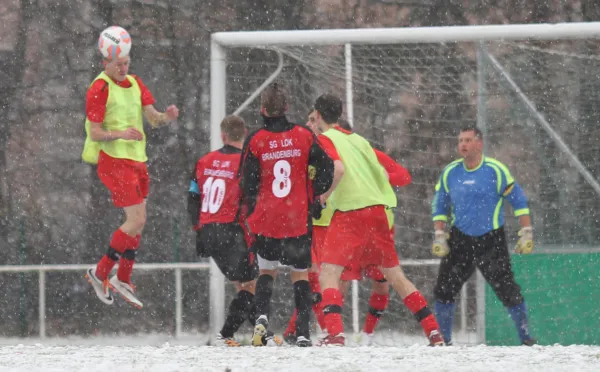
{"points": [[145, 355]]}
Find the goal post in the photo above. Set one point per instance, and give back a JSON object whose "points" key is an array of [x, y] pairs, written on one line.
{"points": [[409, 90]]}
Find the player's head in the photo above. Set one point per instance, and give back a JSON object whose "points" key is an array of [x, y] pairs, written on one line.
{"points": [[273, 101], [328, 110], [345, 124], [117, 68], [233, 130], [470, 142], [312, 121]]}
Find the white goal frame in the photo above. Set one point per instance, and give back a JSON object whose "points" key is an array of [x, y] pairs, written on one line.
{"points": [[220, 41]]}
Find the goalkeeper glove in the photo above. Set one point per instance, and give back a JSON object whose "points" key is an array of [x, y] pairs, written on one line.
{"points": [[440, 246], [525, 242]]}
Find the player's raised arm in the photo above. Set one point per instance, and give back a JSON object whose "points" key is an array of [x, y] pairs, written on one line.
{"points": [[157, 118], [397, 174]]}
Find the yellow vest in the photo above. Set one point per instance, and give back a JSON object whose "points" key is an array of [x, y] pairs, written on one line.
{"points": [[123, 110], [364, 182]]}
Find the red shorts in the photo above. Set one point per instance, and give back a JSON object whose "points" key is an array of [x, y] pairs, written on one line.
{"points": [[318, 239], [360, 238], [356, 272], [127, 180]]}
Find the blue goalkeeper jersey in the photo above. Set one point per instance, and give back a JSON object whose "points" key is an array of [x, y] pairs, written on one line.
{"points": [[474, 198]]}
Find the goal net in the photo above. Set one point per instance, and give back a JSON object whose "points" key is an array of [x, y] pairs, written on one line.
{"points": [[536, 102]]}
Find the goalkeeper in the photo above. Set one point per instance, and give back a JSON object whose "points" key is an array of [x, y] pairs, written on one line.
{"points": [[474, 188]]}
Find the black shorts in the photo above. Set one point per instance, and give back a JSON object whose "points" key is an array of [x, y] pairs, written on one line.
{"points": [[294, 252], [489, 253], [226, 244]]}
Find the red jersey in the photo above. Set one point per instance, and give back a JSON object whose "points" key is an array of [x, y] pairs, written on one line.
{"points": [[97, 96], [217, 184], [275, 179]]}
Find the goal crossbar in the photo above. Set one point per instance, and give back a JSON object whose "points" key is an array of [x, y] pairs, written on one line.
{"points": [[542, 31]]}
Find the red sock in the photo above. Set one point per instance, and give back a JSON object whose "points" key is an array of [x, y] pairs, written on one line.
{"points": [[315, 287], [125, 264], [377, 305], [417, 305], [104, 267], [332, 308], [291, 327], [125, 269], [119, 242]]}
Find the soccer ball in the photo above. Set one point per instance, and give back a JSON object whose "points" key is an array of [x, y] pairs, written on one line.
{"points": [[114, 42]]}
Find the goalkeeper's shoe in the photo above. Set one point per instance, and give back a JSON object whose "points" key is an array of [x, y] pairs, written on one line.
{"points": [[436, 339], [226, 341], [529, 342], [101, 287], [260, 331], [333, 340], [126, 290]]}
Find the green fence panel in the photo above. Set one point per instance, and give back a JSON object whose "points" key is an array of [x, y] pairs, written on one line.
{"points": [[562, 292]]}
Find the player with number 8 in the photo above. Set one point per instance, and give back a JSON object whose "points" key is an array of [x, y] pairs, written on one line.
{"points": [[275, 186]]}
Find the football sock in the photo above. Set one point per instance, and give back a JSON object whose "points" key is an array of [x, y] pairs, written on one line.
{"points": [[377, 305], [332, 309], [518, 314], [262, 298], [118, 244], [303, 300], [127, 261], [416, 303], [237, 314], [444, 312], [317, 304]]}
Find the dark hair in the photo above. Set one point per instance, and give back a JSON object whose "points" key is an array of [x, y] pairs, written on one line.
{"points": [[273, 100], [474, 129], [345, 124], [330, 108], [234, 126]]}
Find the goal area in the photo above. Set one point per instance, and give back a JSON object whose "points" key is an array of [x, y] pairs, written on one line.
{"points": [[534, 91]]}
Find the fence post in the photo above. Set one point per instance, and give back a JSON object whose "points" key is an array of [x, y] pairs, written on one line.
{"points": [[21, 254]]}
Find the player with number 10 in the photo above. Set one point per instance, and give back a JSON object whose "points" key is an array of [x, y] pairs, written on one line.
{"points": [[214, 209]]}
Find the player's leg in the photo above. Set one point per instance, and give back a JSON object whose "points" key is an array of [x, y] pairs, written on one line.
{"points": [[268, 252], [296, 253], [230, 253], [345, 242], [378, 302], [381, 248], [454, 270], [496, 268], [128, 190], [333, 303], [318, 236]]}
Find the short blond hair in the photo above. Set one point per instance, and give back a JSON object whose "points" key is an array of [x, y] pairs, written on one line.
{"points": [[234, 127]]}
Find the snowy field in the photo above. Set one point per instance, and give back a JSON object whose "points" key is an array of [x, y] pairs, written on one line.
{"points": [[97, 354]]}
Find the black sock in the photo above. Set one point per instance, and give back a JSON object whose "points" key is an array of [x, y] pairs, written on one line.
{"points": [[238, 311], [303, 299], [262, 298]]}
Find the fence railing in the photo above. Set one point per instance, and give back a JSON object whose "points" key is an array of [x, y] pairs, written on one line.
{"points": [[177, 268]]}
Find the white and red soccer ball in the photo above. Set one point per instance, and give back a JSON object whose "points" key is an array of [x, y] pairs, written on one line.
{"points": [[114, 42]]}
